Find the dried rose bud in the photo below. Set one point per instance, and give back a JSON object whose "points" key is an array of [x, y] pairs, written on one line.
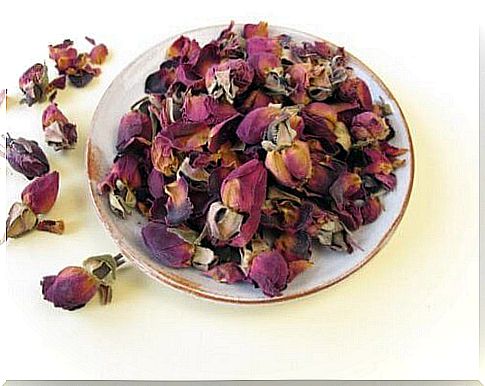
{"points": [[263, 64], [379, 164], [371, 210], [52, 226], [300, 82], [167, 247], [229, 273], [33, 83], [344, 187], [252, 30], [126, 169], [258, 45], [291, 166], [41, 194], [229, 79], [135, 129], [26, 157], [21, 219], [70, 289], [327, 228], [163, 157], [355, 89], [321, 121], [294, 246], [178, 206], [73, 287], [368, 126], [58, 131], [254, 125], [269, 271], [184, 49]]}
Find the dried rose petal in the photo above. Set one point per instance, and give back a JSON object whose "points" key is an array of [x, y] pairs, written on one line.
{"points": [[294, 246], [252, 30], [258, 44], [263, 63], [355, 89], [21, 219], [379, 163], [368, 126], [291, 166], [178, 204], [125, 169], [40, 195], [70, 289], [26, 157], [163, 157], [229, 273], [64, 55], [229, 78], [167, 247], [184, 49], [160, 81], [344, 187], [58, 131], [327, 228], [252, 128], [371, 210], [135, 129], [269, 271], [156, 184], [98, 54], [255, 99], [33, 83]]}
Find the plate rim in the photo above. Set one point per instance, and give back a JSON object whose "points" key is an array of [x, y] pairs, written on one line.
{"points": [[186, 286]]}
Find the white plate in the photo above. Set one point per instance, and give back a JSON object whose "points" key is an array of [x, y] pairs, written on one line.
{"points": [[329, 268]]}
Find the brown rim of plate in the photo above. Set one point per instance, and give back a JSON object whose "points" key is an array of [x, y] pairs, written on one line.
{"points": [[186, 286]]}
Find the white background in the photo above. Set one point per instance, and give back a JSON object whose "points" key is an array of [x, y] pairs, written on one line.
{"points": [[412, 313]]}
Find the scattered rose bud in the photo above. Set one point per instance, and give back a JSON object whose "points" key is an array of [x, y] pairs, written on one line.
{"points": [[58, 131], [33, 83], [26, 157], [73, 287], [41, 194]]}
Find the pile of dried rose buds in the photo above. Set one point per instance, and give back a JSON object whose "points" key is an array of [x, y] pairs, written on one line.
{"points": [[248, 149]]}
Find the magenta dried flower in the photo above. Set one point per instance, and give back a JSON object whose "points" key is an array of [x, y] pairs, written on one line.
{"points": [[229, 79], [368, 126], [167, 247], [252, 30], [254, 125], [135, 129], [33, 83], [26, 157], [58, 131], [269, 271], [294, 246], [70, 289], [178, 204], [41, 194], [229, 273], [356, 90], [73, 287], [98, 53], [244, 191]]}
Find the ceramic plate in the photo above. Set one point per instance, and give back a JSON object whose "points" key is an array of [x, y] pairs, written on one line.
{"points": [[330, 267]]}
